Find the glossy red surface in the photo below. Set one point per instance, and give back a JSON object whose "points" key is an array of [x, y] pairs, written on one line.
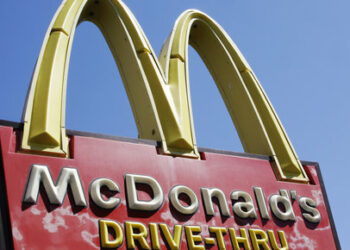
{"points": [[41, 226]]}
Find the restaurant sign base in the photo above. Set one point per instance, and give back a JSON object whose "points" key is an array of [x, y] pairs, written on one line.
{"points": [[116, 193]]}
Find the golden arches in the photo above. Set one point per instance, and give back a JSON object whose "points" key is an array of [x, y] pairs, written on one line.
{"points": [[158, 91]]}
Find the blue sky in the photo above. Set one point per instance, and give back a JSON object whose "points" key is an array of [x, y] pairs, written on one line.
{"points": [[300, 51]]}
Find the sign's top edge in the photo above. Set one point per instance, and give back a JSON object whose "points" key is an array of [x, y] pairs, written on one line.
{"points": [[19, 125], [71, 132], [227, 152], [16, 125]]}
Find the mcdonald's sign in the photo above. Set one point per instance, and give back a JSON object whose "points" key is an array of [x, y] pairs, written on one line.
{"points": [[65, 189]]}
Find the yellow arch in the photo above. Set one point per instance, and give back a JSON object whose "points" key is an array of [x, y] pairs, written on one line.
{"points": [[44, 119], [257, 123], [158, 91]]}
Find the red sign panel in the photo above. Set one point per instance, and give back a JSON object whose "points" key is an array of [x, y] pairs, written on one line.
{"points": [[113, 193]]}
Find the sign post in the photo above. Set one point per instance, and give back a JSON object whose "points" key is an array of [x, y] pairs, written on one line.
{"points": [[68, 189]]}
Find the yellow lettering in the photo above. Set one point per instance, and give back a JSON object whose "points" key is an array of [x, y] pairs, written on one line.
{"points": [[239, 240], [154, 236], [104, 225], [132, 236], [261, 241], [136, 235], [273, 242], [173, 242], [192, 239], [219, 234]]}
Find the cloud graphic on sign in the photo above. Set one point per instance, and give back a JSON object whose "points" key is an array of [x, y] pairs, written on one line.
{"points": [[35, 211], [16, 233], [89, 238], [300, 241], [317, 194], [52, 223], [56, 221]]}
